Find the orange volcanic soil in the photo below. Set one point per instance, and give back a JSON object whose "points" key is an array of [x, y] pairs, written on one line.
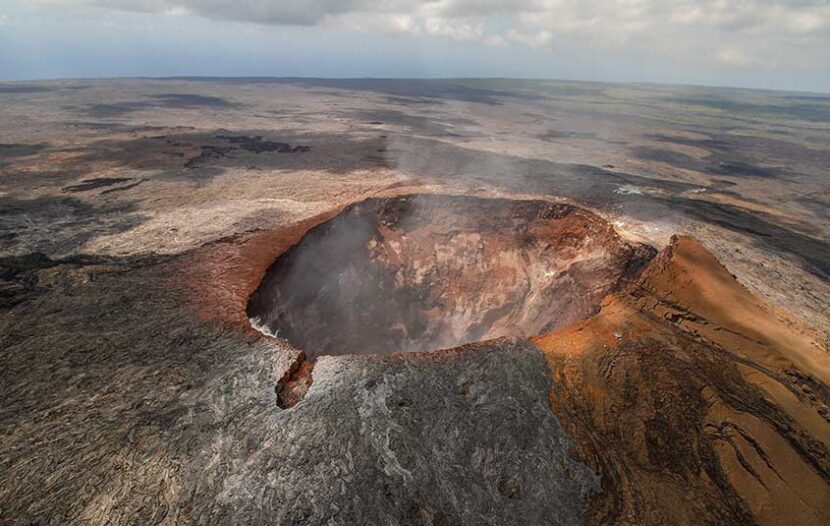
{"points": [[695, 401]]}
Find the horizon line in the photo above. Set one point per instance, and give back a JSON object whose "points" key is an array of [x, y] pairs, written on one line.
{"points": [[382, 78]]}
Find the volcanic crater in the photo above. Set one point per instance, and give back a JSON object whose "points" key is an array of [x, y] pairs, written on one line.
{"points": [[424, 272]]}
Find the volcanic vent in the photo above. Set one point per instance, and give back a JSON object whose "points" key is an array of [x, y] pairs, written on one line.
{"points": [[424, 272]]}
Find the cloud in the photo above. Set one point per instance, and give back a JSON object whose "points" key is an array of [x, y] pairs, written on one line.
{"points": [[762, 33], [284, 12], [538, 39]]}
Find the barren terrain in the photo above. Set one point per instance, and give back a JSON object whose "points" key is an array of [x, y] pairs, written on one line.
{"points": [[618, 295]]}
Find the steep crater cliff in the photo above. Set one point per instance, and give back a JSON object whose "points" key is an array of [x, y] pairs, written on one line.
{"points": [[425, 272]]}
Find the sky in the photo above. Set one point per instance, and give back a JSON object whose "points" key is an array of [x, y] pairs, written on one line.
{"points": [[771, 44]]}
